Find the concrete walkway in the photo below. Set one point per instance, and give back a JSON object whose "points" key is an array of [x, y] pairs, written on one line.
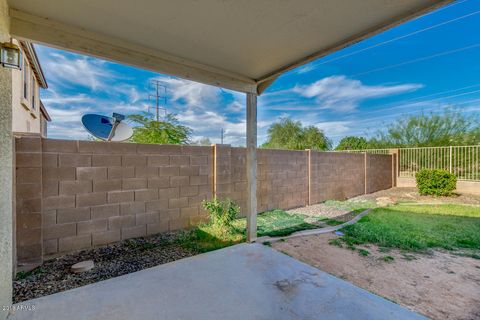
{"points": [[246, 281]]}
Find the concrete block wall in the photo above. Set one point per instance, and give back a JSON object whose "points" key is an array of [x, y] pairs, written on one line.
{"points": [[28, 195], [379, 172], [281, 177], [73, 195], [289, 179], [336, 176], [77, 194]]}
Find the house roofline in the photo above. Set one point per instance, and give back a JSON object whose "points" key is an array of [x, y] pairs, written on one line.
{"points": [[44, 111], [32, 57]]}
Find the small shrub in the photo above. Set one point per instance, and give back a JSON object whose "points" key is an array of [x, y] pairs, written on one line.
{"points": [[435, 182], [388, 258], [363, 252], [222, 212], [335, 242], [21, 275]]}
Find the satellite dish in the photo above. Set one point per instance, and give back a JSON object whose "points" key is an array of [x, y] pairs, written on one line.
{"points": [[107, 128]]}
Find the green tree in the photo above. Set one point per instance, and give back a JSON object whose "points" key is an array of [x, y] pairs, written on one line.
{"points": [[472, 137], [289, 134], [352, 143], [167, 131], [428, 130]]}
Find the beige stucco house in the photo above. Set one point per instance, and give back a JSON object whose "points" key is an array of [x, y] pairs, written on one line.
{"points": [[28, 112]]}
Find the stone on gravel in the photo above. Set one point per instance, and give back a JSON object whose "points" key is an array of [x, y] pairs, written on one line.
{"points": [[113, 260], [82, 266]]}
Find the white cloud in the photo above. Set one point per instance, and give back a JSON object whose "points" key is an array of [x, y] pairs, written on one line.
{"points": [[305, 69], [235, 106], [63, 115], [208, 123], [342, 94], [334, 128], [134, 95], [130, 92], [51, 97], [66, 123], [74, 70], [193, 94]]}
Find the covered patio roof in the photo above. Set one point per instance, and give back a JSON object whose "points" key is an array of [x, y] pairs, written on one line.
{"points": [[239, 45]]}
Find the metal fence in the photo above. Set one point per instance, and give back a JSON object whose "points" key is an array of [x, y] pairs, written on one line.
{"points": [[374, 151], [463, 161]]}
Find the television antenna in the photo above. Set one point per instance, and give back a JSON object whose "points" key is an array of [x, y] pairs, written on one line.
{"points": [[157, 86], [107, 128]]}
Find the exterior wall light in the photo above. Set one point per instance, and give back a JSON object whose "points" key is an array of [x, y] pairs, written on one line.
{"points": [[11, 55]]}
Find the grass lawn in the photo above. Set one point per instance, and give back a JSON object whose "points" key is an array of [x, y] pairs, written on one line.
{"points": [[273, 223], [419, 227]]}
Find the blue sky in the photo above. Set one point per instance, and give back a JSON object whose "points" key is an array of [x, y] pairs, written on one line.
{"points": [[420, 66]]}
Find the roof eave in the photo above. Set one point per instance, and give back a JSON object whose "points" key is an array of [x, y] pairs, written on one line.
{"points": [[44, 111], [30, 50]]}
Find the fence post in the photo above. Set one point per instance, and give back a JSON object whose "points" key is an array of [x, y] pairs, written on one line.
{"points": [[451, 149], [309, 177], [395, 165], [366, 171], [214, 171]]}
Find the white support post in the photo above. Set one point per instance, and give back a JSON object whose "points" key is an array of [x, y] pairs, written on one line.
{"points": [[251, 167]]}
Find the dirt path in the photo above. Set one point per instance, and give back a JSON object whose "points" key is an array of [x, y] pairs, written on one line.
{"points": [[439, 286]]}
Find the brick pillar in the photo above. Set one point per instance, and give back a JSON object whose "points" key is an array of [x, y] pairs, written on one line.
{"points": [[366, 172], [29, 242], [309, 177], [395, 164]]}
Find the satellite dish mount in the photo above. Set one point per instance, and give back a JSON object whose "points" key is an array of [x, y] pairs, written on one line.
{"points": [[107, 128], [118, 118]]}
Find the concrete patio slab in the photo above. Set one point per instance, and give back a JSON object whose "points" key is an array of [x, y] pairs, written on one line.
{"points": [[246, 281]]}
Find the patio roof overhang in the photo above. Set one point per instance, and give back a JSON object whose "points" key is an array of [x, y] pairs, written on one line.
{"points": [[238, 45]]}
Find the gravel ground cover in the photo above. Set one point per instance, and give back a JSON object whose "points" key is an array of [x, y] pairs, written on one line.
{"points": [[339, 210], [412, 195], [110, 261]]}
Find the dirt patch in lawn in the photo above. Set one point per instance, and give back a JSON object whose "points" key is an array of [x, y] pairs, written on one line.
{"points": [[439, 285], [110, 261]]}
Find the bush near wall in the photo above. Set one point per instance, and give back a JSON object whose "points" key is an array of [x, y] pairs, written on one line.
{"points": [[435, 182]]}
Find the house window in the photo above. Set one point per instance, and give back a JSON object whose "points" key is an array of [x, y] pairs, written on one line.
{"points": [[25, 79], [33, 92]]}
